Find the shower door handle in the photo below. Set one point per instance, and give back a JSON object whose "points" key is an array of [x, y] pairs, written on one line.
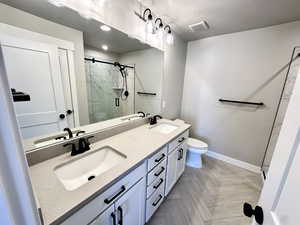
{"points": [[117, 102]]}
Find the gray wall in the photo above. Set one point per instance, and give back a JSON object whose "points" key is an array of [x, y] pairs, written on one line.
{"points": [[174, 61], [33, 23], [242, 66]]}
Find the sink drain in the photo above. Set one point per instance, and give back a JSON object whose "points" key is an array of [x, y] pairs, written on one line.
{"points": [[91, 177]]}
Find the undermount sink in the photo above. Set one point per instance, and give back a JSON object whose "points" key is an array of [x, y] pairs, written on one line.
{"points": [[164, 128], [80, 171]]}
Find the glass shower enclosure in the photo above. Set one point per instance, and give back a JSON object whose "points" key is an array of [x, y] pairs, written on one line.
{"points": [[290, 79], [106, 89]]}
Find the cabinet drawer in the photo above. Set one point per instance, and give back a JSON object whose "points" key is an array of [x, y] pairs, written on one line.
{"points": [[157, 158], [91, 210], [178, 140], [154, 202], [160, 181], [156, 172]]}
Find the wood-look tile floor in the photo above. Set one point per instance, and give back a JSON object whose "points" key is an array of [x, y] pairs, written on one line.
{"points": [[213, 195]]}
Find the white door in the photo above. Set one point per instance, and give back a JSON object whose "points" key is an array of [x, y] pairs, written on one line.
{"points": [[66, 82], [34, 68], [130, 208], [108, 217], [281, 192], [171, 177]]}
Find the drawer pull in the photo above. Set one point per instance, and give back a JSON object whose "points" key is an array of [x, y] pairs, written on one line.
{"points": [[109, 200], [160, 172], [159, 183], [159, 159], [121, 215], [113, 215], [181, 140], [157, 201]]}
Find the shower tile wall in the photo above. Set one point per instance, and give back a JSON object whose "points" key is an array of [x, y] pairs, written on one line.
{"points": [[103, 83], [294, 71]]}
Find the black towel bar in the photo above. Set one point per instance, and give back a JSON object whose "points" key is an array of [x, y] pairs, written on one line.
{"points": [[242, 102], [145, 93]]}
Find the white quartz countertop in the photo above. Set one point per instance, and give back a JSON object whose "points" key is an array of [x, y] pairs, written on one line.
{"points": [[137, 144]]}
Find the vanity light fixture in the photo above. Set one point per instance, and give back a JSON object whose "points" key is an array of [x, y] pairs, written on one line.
{"points": [[105, 28], [169, 38], [105, 47], [159, 27], [149, 21], [58, 3]]}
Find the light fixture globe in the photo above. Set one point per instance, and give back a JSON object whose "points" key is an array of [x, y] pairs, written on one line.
{"points": [[169, 37], [149, 21]]}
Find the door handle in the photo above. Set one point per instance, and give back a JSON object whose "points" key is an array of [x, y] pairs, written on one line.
{"points": [[109, 200], [62, 116], [257, 213], [121, 215], [69, 112], [113, 215]]}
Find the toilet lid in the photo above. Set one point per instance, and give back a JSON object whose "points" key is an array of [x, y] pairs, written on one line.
{"points": [[195, 143]]}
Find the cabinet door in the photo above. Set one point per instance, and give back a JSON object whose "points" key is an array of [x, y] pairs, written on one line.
{"points": [[130, 208], [181, 160], [108, 217], [171, 170]]}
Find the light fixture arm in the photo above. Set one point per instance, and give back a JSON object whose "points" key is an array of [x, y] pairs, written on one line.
{"points": [[149, 16], [167, 27], [160, 25]]}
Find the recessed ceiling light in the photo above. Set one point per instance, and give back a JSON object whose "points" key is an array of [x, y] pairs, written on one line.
{"points": [[105, 28], [105, 47], [58, 3]]}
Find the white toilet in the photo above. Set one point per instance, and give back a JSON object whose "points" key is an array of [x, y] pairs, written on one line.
{"points": [[195, 150]]}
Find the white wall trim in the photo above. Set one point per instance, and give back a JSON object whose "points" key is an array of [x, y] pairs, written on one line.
{"points": [[235, 162], [12, 31]]}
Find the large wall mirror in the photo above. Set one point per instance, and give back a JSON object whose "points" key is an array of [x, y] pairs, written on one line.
{"points": [[95, 74]]}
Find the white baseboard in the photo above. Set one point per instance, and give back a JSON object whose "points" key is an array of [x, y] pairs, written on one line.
{"points": [[235, 162]]}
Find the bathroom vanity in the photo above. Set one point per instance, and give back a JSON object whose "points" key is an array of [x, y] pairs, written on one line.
{"points": [[122, 179]]}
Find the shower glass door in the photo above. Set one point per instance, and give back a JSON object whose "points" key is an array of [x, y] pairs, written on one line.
{"points": [[105, 87]]}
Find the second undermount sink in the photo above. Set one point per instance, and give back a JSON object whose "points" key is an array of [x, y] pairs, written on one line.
{"points": [[164, 128], [80, 171]]}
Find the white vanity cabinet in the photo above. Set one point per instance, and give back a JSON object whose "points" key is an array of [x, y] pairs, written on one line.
{"points": [[130, 208], [108, 217], [156, 181], [127, 210], [176, 160], [134, 198], [127, 193]]}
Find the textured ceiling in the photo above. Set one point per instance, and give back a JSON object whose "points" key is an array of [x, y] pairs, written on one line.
{"points": [[118, 42], [224, 16]]}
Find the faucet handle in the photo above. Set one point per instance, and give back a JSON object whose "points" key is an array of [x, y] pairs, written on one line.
{"points": [[87, 140], [80, 132]]}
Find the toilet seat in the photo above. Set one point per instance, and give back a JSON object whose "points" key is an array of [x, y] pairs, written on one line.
{"points": [[194, 143]]}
